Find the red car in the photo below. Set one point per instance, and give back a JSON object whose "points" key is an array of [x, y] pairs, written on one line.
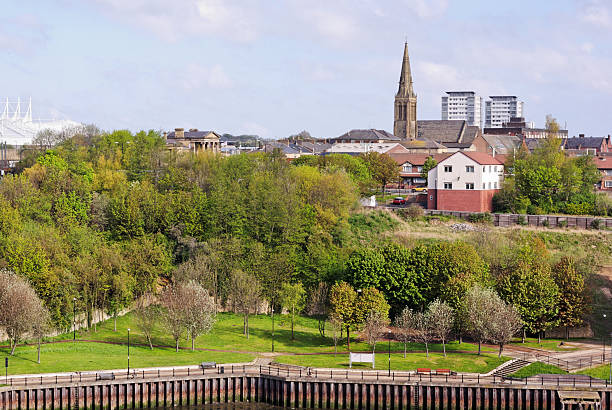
{"points": [[398, 200]]}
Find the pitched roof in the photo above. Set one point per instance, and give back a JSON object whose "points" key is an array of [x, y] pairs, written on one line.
{"points": [[502, 143], [603, 162], [367, 135], [422, 144], [482, 158], [193, 134], [356, 147], [441, 130], [583, 142]]}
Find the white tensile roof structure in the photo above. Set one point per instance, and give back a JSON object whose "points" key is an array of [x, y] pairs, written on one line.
{"points": [[19, 128]]}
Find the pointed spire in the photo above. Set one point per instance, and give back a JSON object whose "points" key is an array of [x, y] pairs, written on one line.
{"points": [[405, 85]]}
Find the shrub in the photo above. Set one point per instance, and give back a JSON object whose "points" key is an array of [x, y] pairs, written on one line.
{"points": [[414, 212], [483, 217], [562, 223], [545, 223], [521, 220], [596, 223]]}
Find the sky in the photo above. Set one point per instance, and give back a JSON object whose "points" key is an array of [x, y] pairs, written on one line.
{"points": [[277, 67]]}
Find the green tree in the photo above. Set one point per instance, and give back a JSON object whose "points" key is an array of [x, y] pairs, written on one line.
{"points": [[292, 298], [342, 299], [382, 167], [429, 164], [572, 303]]}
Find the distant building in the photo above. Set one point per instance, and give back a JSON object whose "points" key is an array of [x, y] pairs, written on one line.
{"points": [[497, 144], [518, 127], [454, 135], [462, 105], [355, 148], [365, 136], [405, 105], [582, 145], [604, 165], [193, 140], [500, 108], [411, 167], [464, 181]]}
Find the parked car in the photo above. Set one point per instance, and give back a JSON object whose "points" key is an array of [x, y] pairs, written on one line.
{"points": [[398, 200], [420, 189]]}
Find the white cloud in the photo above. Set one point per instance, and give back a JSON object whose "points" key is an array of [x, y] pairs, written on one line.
{"points": [[428, 8], [337, 27], [596, 12], [196, 76], [24, 34], [172, 20]]}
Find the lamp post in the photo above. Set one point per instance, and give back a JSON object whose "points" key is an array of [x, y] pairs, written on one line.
{"points": [[272, 328], [73, 319], [610, 377], [128, 372], [389, 350]]}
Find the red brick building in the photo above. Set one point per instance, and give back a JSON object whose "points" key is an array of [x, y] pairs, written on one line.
{"points": [[465, 181]]}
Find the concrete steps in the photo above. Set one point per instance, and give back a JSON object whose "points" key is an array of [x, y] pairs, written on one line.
{"points": [[510, 367]]}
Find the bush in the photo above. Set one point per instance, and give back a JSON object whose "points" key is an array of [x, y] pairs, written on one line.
{"points": [[521, 220], [414, 212], [562, 223], [596, 223], [483, 217], [545, 223]]}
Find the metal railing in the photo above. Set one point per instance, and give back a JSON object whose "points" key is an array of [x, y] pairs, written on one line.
{"points": [[303, 373]]}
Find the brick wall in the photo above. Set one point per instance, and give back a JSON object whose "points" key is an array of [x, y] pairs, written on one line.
{"points": [[461, 200]]}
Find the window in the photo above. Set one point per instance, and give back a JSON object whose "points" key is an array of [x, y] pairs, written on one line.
{"points": [[469, 185], [484, 169], [469, 168], [448, 185], [489, 168], [484, 185], [448, 168], [407, 167], [495, 185], [419, 169], [608, 172], [608, 184], [489, 185]]}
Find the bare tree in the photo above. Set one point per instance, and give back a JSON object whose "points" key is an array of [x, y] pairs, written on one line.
{"points": [[441, 319], [421, 329], [174, 318], [318, 305], [245, 295], [504, 323], [479, 308], [335, 326], [40, 325], [404, 325], [21, 311], [199, 310], [146, 316], [374, 327]]}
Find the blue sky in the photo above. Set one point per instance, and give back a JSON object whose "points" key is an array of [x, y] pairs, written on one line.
{"points": [[276, 67]]}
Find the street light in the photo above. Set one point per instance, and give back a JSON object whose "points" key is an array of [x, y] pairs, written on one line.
{"points": [[128, 352], [272, 328], [73, 318], [389, 350]]}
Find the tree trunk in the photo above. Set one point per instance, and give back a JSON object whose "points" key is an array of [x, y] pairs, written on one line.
{"points": [[348, 339], [404, 350], [177, 341], [247, 325], [244, 329], [426, 350], [192, 343], [335, 348], [479, 343], [566, 332], [524, 335], [38, 352], [539, 337], [501, 348], [13, 346], [115, 321], [292, 317], [460, 338], [150, 342], [444, 347]]}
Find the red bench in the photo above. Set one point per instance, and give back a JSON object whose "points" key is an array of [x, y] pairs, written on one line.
{"points": [[423, 371], [443, 371]]}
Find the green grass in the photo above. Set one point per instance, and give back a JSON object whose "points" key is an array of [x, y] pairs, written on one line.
{"points": [[538, 368], [599, 372], [545, 344], [80, 356], [455, 361]]}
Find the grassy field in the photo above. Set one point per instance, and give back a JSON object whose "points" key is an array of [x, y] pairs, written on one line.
{"points": [[227, 335], [75, 356], [545, 344], [455, 361], [538, 368], [600, 372]]}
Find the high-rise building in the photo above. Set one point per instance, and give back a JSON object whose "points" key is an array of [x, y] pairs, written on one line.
{"points": [[500, 108], [462, 105], [405, 123]]}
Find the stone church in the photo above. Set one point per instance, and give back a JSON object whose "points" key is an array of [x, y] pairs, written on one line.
{"points": [[405, 120]]}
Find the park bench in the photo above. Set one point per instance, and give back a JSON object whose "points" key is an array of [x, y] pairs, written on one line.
{"points": [[208, 365], [423, 371], [444, 372], [105, 376]]}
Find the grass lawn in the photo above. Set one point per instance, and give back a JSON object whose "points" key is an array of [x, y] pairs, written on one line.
{"points": [[227, 335], [538, 368], [63, 357], [600, 372], [455, 361], [545, 344]]}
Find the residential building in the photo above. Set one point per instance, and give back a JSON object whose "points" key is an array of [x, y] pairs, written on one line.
{"points": [[465, 181], [192, 140], [517, 126], [455, 135], [365, 136], [582, 145], [462, 105], [500, 108], [411, 167], [497, 144], [424, 146], [356, 148], [405, 105], [604, 165]]}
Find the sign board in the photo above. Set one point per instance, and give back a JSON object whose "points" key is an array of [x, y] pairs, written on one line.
{"points": [[361, 358]]}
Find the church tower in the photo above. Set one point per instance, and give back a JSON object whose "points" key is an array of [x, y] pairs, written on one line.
{"points": [[405, 123]]}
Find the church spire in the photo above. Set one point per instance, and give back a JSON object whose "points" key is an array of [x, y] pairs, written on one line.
{"points": [[405, 84]]}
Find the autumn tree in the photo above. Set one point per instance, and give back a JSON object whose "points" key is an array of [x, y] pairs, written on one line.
{"points": [[292, 297], [441, 318]]}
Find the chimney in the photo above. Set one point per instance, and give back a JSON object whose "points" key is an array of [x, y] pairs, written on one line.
{"points": [[193, 130], [165, 135], [581, 135], [179, 133]]}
